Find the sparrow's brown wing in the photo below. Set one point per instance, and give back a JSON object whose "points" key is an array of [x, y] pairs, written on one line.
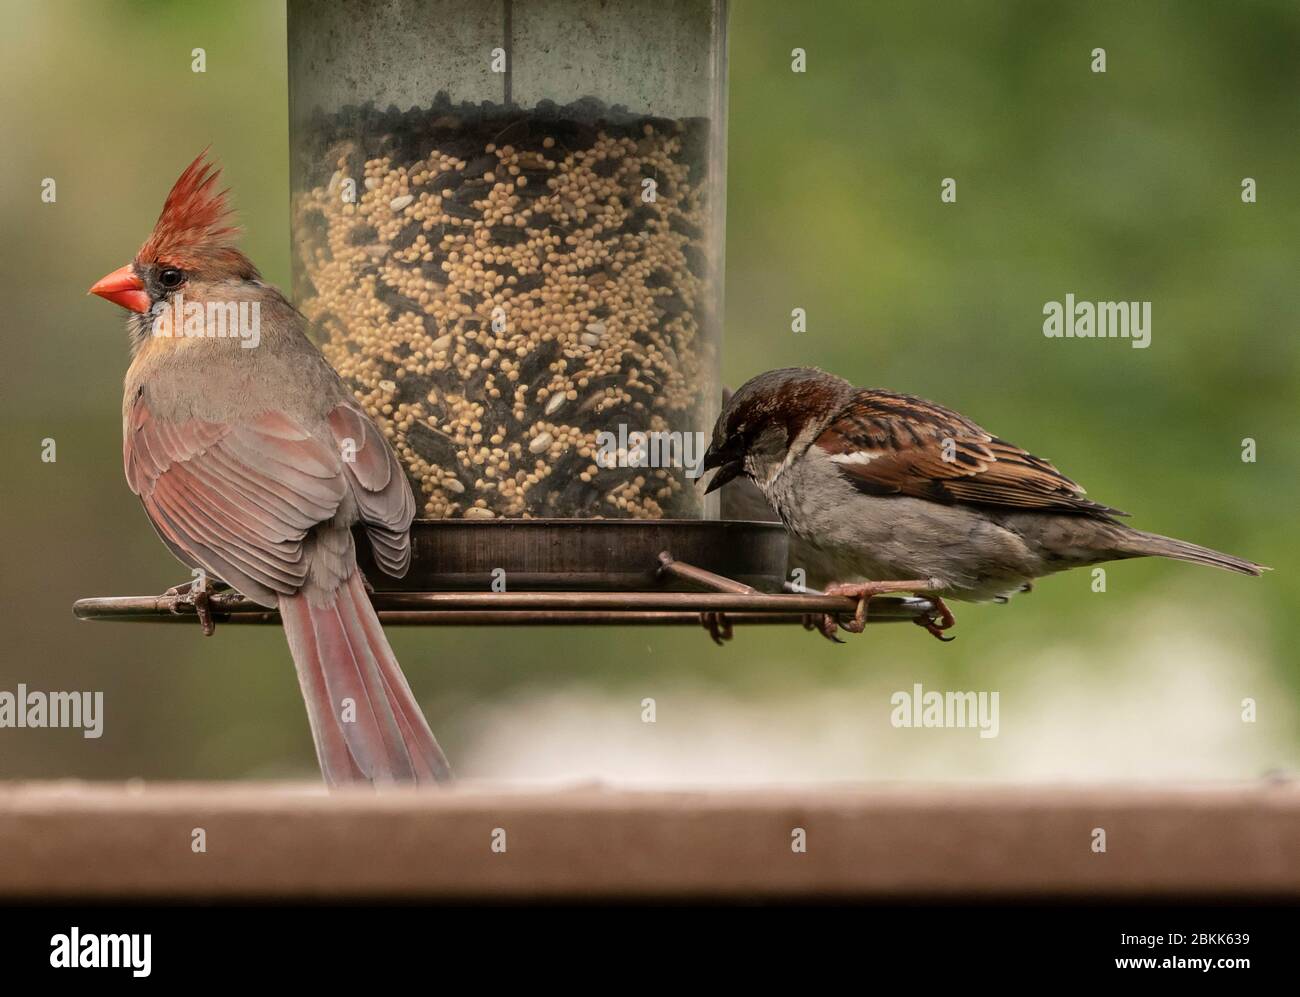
{"points": [[892, 444], [238, 499]]}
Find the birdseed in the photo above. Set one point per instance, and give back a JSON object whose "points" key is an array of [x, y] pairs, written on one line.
{"points": [[505, 284]]}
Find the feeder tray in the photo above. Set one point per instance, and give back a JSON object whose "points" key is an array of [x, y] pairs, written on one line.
{"points": [[564, 573], [599, 555]]}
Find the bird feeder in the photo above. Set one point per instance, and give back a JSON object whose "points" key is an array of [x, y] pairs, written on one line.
{"points": [[507, 227]]}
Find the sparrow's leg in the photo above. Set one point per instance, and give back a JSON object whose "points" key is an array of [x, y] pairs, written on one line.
{"points": [[1002, 600], [863, 591], [825, 624], [934, 626], [718, 626], [197, 593]]}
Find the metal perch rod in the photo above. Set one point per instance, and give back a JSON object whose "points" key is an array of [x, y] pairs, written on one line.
{"points": [[525, 608]]}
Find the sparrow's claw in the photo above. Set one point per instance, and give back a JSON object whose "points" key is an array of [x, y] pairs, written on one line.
{"points": [[937, 623], [863, 592], [825, 624], [859, 622], [718, 626], [1002, 600], [828, 627]]}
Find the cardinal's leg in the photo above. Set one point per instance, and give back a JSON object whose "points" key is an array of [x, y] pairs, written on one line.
{"points": [[197, 593]]}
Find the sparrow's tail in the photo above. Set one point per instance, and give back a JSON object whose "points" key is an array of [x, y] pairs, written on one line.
{"points": [[1137, 543], [366, 724]]}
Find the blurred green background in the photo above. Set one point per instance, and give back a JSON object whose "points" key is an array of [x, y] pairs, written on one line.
{"points": [[1117, 186]]}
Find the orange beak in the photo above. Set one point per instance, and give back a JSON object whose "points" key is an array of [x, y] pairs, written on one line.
{"points": [[123, 287]]}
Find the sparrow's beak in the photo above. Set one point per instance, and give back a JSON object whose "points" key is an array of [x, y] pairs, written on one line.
{"points": [[728, 463], [123, 287]]}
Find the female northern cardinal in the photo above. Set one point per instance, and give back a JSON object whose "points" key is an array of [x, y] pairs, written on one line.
{"points": [[253, 461]]}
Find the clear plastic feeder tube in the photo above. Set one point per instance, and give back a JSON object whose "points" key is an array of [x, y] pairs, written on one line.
{"points": [[508, 224]]}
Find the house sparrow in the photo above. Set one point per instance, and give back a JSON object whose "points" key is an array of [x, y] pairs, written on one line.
{"points": [[898, 493], [253, 462]]}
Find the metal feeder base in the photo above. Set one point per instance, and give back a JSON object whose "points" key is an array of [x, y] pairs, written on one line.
{"points": [[592, 555]]}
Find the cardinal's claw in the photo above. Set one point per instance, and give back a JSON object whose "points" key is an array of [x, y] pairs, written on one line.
{"points": [[200, 598], [203, 609]]}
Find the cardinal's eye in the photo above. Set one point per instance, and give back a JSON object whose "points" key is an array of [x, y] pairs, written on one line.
{"points": [[170, 277]]}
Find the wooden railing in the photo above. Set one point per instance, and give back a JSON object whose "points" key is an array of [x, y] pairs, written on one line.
{"points": [[78, 840]]}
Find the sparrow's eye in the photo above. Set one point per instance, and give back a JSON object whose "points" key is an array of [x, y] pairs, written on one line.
{"points": [[170, 277]]}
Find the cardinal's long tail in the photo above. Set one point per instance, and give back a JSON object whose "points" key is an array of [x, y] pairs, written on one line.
{"points": [[1138, 543], [366, 723]]}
